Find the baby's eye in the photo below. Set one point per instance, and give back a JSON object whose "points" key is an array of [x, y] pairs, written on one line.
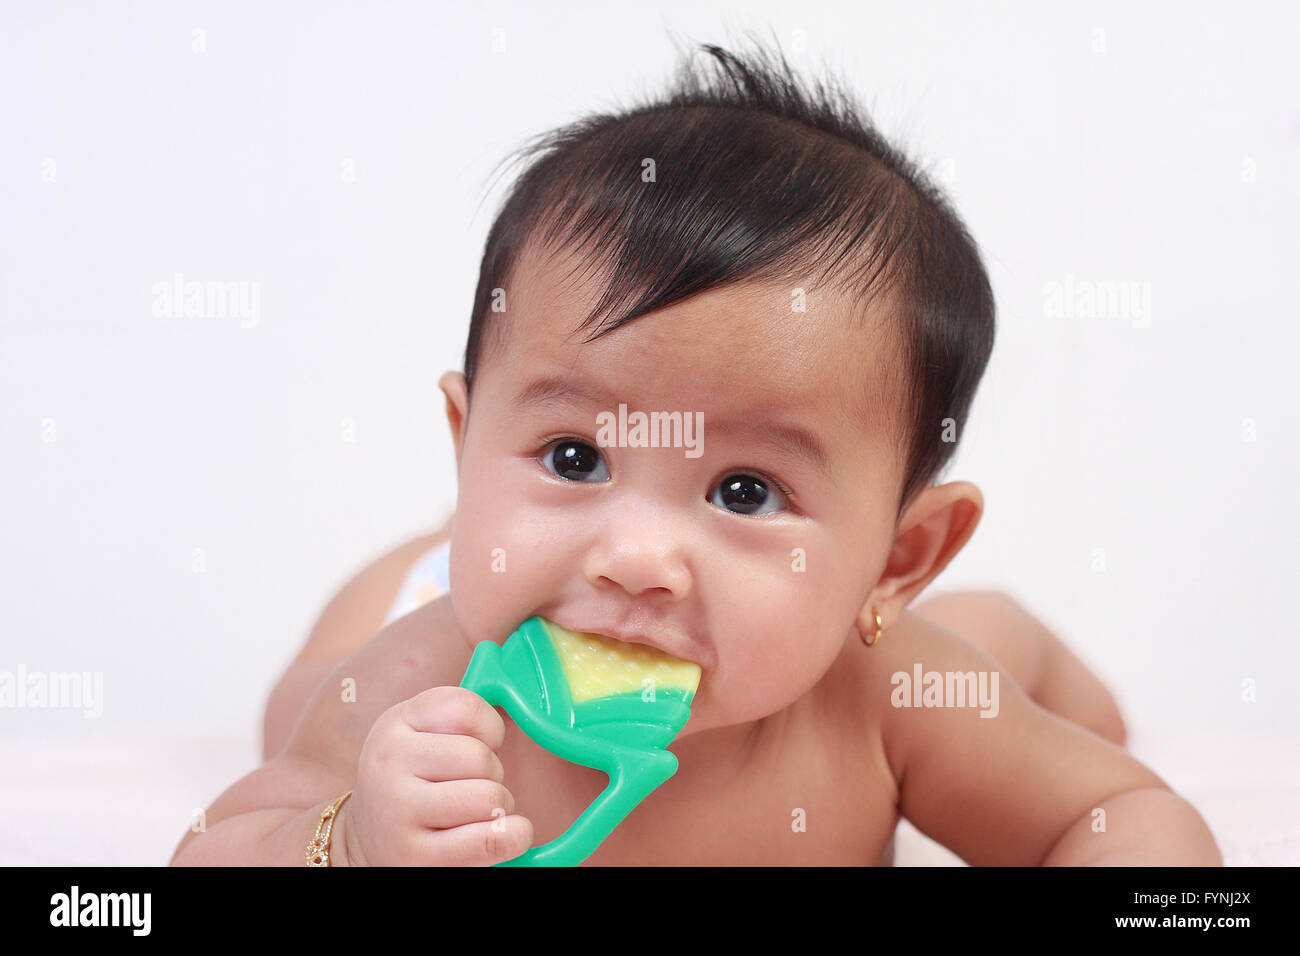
{"points": [[575, 461], [745, 495]]}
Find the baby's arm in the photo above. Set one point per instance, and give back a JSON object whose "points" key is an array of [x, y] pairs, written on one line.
{"points": [[269, 816], [1023, 787], [1031, 654], [350, 618], [253, 824]]}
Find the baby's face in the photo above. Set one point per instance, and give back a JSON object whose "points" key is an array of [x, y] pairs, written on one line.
{"points": [[694, 550]]}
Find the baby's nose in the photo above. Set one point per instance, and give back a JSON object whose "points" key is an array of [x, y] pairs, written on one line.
{"points": [[640, 568]]}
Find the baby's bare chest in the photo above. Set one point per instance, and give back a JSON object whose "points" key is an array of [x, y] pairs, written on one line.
{"points": [[797, 800]]}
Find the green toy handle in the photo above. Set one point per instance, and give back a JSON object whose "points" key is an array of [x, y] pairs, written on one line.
{"points": [[622, 735]]}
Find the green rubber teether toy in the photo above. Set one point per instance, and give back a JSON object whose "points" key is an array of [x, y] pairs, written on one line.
{"points": [[594, 701]]}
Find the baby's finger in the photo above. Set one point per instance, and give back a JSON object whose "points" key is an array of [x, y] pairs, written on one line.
{"points": [[454, 710], [456, 803], [483, 844], [439, 757]]}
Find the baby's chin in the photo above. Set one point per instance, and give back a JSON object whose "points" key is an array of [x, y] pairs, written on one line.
{"points": [[711, 710]]}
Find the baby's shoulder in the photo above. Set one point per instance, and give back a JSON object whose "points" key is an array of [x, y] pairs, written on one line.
{"points": [[407, 656], [864, 692], [860, 679], [425, 645], [914, 638]]}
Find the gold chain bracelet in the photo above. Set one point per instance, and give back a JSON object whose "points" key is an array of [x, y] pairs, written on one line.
{"points": [[318, 850]]}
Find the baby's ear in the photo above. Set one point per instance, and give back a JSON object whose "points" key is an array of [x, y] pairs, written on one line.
{"points": [[453, 386], [933, 529]]}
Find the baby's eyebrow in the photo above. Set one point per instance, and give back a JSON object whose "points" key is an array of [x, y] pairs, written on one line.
{"points": [[786, 439], [548, 388]]}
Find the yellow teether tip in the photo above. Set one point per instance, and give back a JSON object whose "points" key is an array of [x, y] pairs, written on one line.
{"points": [[598, 666]]}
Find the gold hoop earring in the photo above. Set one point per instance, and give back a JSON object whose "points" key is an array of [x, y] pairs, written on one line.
{"points": [[880, 629]]}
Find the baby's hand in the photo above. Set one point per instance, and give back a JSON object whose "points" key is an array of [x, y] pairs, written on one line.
{"points": [[429, 790]]}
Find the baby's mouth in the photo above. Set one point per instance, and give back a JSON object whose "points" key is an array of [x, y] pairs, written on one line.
{"points": [[601, 665]]}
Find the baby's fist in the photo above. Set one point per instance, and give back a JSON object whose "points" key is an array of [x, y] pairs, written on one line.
{"points": [[429, 788]]}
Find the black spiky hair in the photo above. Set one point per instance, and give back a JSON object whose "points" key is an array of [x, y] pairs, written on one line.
{"points": [[760, 177]]}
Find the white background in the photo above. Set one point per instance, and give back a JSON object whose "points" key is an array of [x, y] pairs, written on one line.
{"points": [[1154, 145]]}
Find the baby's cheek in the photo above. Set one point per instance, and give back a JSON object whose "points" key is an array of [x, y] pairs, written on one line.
{"points": [[500, 575], [771, 665], [485, 567]]}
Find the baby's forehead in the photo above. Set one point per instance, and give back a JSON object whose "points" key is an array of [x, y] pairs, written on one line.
{"points": [[752, 344]]}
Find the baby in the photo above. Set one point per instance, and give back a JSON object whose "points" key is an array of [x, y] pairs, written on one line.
{"points": [[758, 260]]}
